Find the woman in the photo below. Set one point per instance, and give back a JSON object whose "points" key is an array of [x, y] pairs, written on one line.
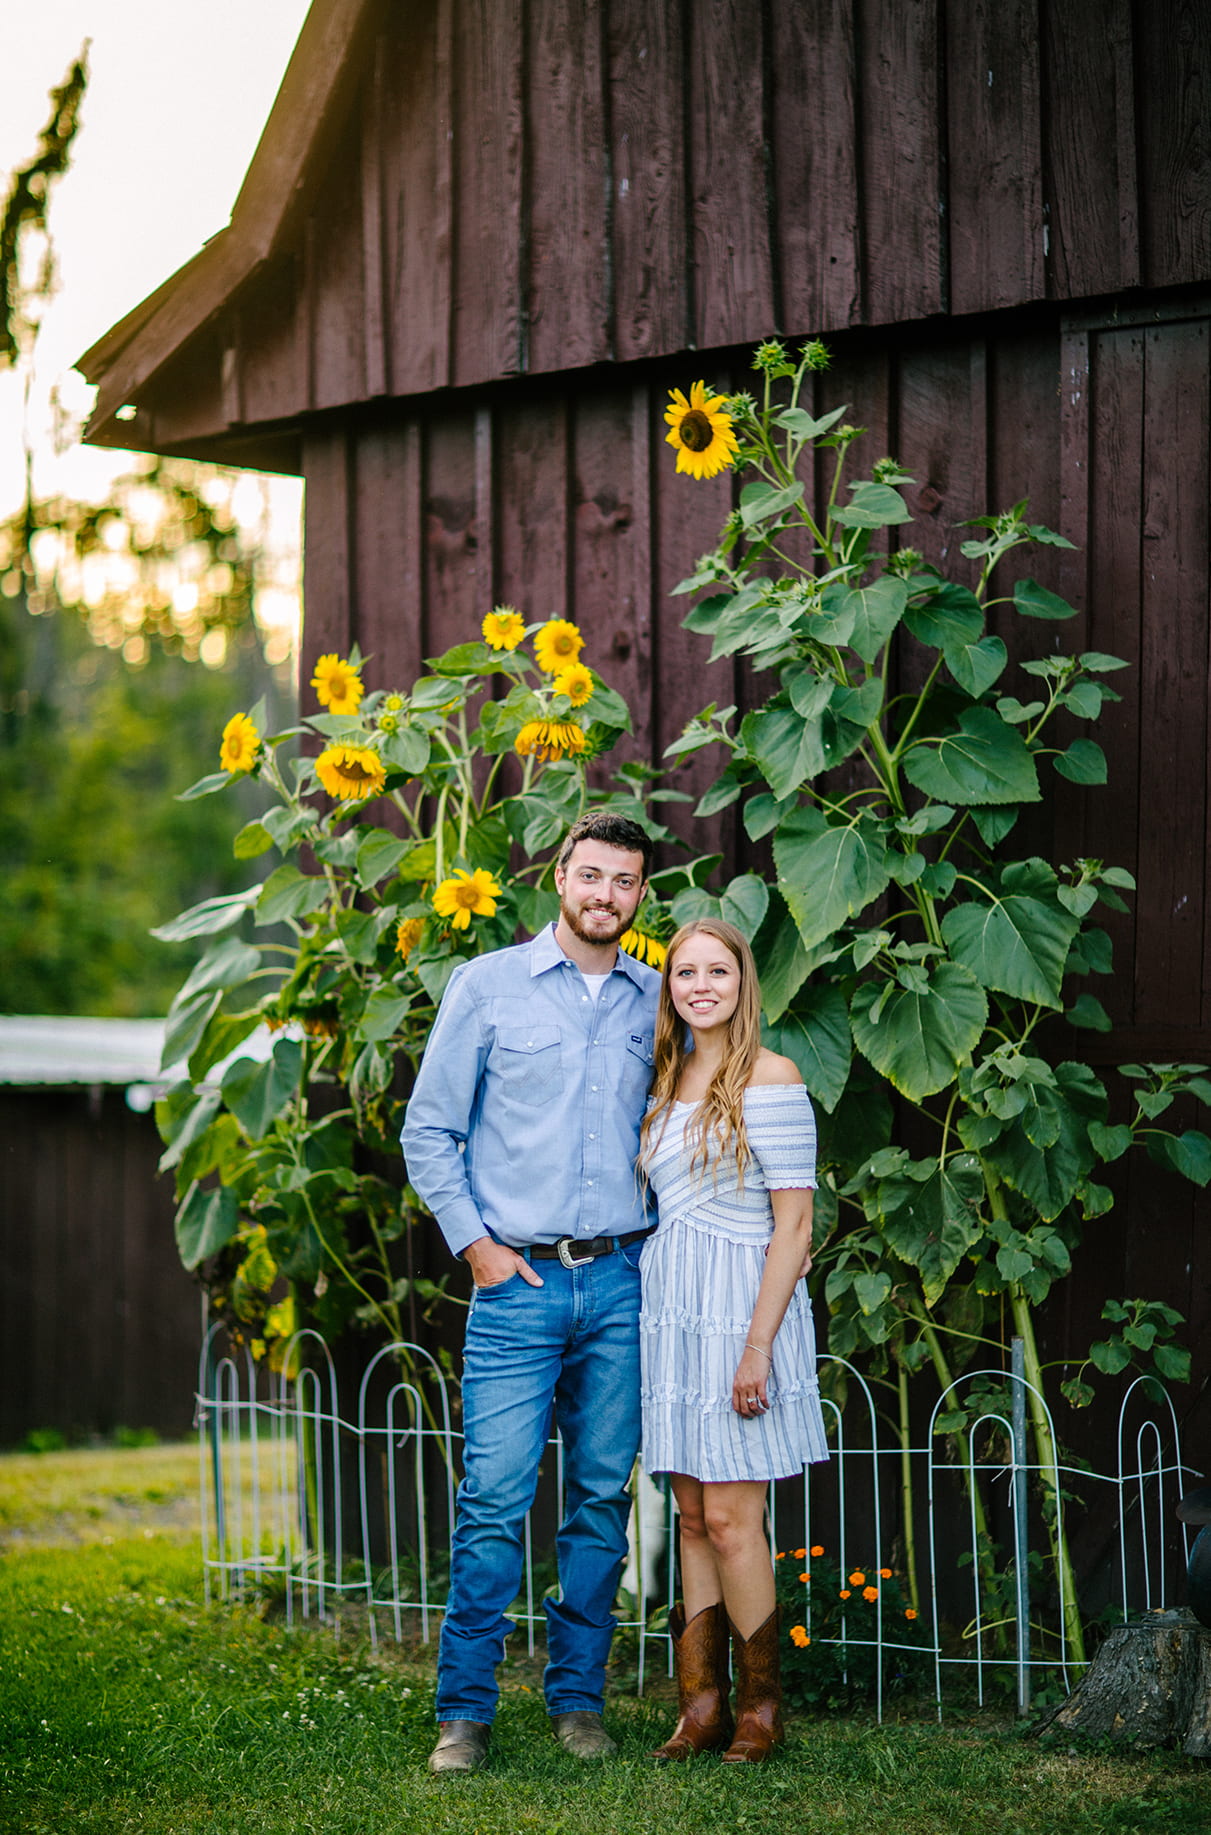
{"points": [[730, 1398]]}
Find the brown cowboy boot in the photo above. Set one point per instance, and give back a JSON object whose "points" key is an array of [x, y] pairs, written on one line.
{"points": [[705, 1716], [758, 1694]]}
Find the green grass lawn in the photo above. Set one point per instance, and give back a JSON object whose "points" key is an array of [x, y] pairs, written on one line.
{"points": [[127, 1704]]}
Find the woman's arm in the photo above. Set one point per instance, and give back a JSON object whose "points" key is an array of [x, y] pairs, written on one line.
{"points": [[788, 1257]]}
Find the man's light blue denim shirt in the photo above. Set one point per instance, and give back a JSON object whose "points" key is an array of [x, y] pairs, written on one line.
{"points": [[524, 1121]]}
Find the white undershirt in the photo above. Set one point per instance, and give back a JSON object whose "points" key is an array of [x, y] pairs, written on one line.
{"points": [[595, 983]]}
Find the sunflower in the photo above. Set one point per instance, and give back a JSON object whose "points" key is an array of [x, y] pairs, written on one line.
{"points": [[350, 772], [644, 948], [548, 739], [504, 628], [701, 431], [337, 684], [240, 745], [465, 896], [557, 645], [407, 935], [576, 681]]}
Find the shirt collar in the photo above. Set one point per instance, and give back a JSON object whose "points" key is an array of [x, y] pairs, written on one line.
{"points": [[545, 953]]}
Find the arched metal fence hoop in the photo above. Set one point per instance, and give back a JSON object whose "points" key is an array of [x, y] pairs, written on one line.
{"points": [[285, 1496]]}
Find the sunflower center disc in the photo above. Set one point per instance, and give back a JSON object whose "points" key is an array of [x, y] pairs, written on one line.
{"points": [[696, 431]]}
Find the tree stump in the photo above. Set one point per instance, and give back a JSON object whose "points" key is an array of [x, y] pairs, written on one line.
{"points": [[1149, 1685]]}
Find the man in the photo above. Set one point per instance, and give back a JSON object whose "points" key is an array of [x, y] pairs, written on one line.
{"points": [[521, 1136]]}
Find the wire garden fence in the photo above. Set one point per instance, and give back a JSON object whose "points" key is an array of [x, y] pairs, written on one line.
{"points": [[338, 1500]]}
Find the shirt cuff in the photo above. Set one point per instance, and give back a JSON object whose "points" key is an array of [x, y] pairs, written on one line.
{"points": [[461, 1225]]}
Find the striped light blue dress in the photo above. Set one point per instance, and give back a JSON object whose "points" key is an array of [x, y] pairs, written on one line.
{"points": [[701, 1272]]}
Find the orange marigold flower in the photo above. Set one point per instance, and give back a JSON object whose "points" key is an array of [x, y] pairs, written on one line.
{"points": [[884, 1573], [799, 1636], [844, 1593], [909, 1613], [856, 1579], [870, 1594], [805, 1576], [816, 1549]]}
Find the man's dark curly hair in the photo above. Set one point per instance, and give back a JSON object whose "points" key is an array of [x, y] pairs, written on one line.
{"points": [[613, 830]]}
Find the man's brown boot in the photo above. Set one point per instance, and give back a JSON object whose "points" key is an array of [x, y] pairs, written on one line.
{"points": [[758, 1694], [705, 1716]]}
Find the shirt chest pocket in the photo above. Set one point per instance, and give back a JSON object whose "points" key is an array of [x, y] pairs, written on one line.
{"points": [[638, 1065], [528, 1061]]}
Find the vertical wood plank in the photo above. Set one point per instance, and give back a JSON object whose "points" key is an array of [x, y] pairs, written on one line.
{"points": [[603, 571], [733, 265], [994, 183], [649, 242], [1090, 154], [487, 304], [453, 554], [1173, 675], [814, 152], [687, 515], [567, 185], [273, 370], [387, 548], [338, 281], [532, 510], [417, 154], [901, 160], [328, 621], [1173, 97], [373, 225], [1115, 405]]}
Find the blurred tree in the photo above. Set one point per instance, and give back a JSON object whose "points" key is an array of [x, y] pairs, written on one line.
{"points": [[127, 634]]}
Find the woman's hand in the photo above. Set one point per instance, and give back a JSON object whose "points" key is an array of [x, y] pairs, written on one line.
{"points": [[749, 1398]]}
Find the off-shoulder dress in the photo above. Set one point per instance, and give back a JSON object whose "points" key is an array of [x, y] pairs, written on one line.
{"points": [[701, 1271]]}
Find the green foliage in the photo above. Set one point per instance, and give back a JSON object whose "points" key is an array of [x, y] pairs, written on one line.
{"points": [[904, 936], [831, 1619], [286, 1164], [91, 753], [907, 944], [25, 210]]}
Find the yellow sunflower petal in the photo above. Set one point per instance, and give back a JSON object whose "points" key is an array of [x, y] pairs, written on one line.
{"points": [[701, 432], [504, 628], [576, 682], [350, 772], [240, 744], [557, 645], [337, 684]]}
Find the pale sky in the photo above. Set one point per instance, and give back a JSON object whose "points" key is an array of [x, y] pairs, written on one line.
{"points": [[176, 101]]}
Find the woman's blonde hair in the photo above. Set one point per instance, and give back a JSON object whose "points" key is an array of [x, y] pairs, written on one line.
{"points": [[717, 1125]]}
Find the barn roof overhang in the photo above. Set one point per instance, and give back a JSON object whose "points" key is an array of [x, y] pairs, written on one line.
{"points": [[157, 336]]}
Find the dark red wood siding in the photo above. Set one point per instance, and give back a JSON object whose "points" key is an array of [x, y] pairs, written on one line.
{"points": [[536, 186], [100, 1326]]}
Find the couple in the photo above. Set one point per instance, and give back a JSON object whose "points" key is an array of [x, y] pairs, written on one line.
{"points": [[523, 1135]]}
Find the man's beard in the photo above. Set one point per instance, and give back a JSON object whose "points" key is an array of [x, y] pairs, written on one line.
{"points": [[572, 920]]}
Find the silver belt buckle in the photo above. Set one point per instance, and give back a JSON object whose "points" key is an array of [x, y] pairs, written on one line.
{"points": [[563, 1249]]}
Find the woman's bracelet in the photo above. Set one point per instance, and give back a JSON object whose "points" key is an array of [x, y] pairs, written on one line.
{"points": [[756, 1347]]}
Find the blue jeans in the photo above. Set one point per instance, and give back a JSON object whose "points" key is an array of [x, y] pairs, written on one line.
{"points": [[571, 1344]]}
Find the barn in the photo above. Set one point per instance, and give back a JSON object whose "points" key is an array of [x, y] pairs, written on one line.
{"points": [[481, 239]]}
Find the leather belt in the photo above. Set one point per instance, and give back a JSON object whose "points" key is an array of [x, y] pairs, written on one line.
{"points": [[574, 1251]]}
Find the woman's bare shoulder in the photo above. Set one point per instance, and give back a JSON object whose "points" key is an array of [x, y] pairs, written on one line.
{"points": [[770, 1068]]}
